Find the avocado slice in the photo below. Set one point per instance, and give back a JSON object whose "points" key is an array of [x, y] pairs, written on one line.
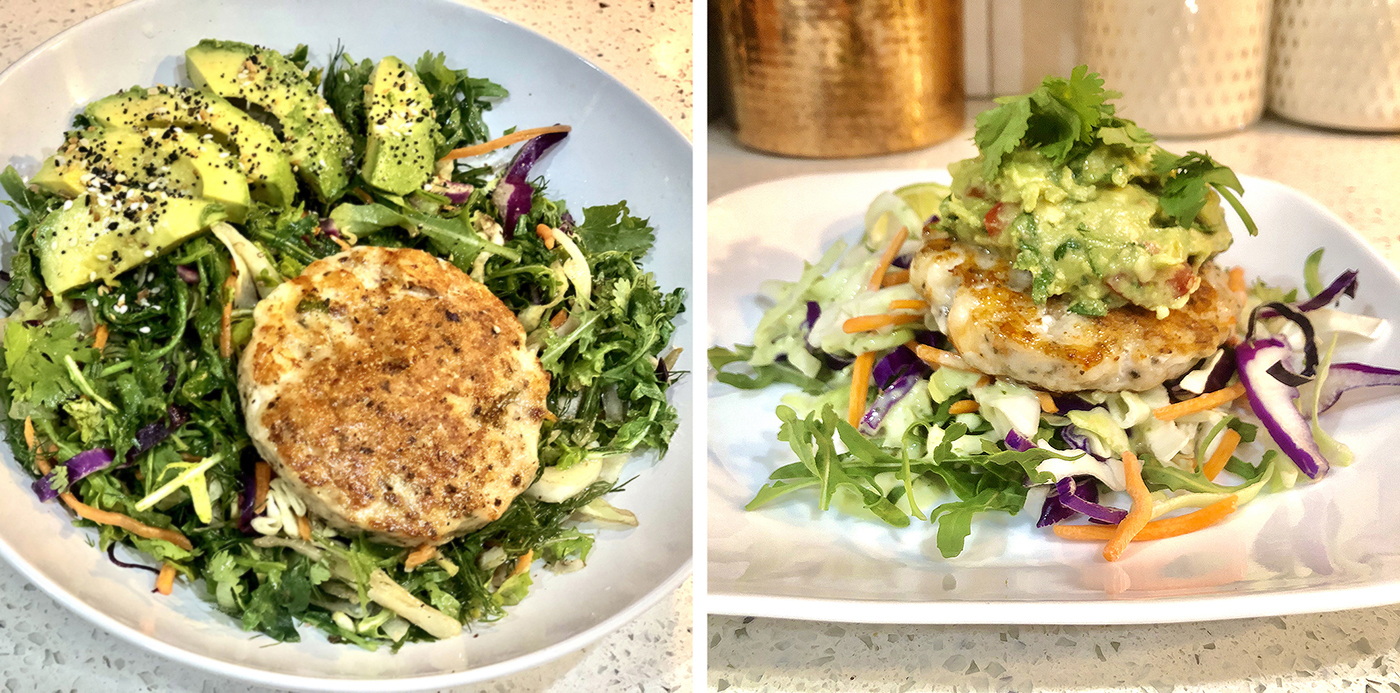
{"points": [[318, 145], [400, 150], [168, 159], [264, 163], [80, 244]]}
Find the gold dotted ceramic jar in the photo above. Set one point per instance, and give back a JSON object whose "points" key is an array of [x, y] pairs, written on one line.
{"points": [[1185, 67], [843, 78], [1337, 63]]}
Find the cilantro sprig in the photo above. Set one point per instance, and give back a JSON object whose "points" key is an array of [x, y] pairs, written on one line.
{"points": [[1187, 179]]}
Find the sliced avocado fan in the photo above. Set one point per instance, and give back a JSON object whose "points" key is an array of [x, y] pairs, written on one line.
{"points": [[260, 154], [170, 160], [320, 149], [82, 243]]}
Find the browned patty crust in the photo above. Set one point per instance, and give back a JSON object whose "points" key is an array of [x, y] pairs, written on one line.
{"points": [[395, 393]]}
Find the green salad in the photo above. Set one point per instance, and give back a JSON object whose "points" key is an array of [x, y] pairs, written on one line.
{"points": [[143, 245]]}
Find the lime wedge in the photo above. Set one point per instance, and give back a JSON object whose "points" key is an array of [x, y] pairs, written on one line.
{"points": [[923, 198], [887, 212]]}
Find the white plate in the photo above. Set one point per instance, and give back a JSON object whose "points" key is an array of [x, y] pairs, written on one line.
{"points": [[1332, 545], [620, 148]]}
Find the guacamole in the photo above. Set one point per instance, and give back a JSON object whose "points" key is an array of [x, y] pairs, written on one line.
{"points": [[1091, 230]]}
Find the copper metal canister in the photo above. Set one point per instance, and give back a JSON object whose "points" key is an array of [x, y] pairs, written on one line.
{"points": [[843, 78]]}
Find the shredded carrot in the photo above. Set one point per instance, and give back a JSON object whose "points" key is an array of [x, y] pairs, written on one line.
{"points": [[896, 242], [860, 386], [966, 406], [105, 517], [1210, 400], [343, 245], [940, 358], [1229, 440], [1047, 403], [364, 196], [870, 323], [559, 319], [895, 278], [546, 234], [908, 304], [166, 580], [1164, 528], [1237, 284], [1139, 514], [419, 556], [522, 564], [303, 528], [99, 337], [262, 480], [30, 439], [505, 141]]}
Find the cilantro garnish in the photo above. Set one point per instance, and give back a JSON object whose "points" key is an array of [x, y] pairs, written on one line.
{"points": [[1187, 177]]}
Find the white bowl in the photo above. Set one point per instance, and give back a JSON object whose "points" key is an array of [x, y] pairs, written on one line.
{"points": [[1326, 546], [620, 148]]}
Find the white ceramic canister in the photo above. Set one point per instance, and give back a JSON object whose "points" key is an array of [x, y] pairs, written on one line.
{"points": [[1184, 67], [1336, 63]]}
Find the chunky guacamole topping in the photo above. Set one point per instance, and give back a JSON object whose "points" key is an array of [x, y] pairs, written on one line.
{"points": [[1086, 203]]}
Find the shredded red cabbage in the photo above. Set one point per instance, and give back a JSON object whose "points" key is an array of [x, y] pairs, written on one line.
{"points": [[1018, 442], [514, 192], [78, 466], [1069, 403], [1344, 284], [1077, 439], [1310, 357], [886, 399], [153, 434], [814, 311], [329, 228], [458, 193], [112, 556], [1068, 492], [1342, 377], [187, 274], [1272, 400], [1083, 497], [248, 497]]}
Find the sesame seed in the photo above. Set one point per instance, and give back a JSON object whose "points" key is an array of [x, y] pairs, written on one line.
{"points": [[144, 330]]}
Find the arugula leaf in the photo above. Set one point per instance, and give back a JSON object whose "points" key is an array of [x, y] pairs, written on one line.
{"points": [[612, 228], [955, 519], [454, 236]]}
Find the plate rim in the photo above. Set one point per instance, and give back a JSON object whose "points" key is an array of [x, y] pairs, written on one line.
{"points": [[310, 683], [1124, 610]]}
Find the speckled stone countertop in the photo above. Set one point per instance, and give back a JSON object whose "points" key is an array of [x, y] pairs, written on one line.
{"points": [[1356, 176], [44, 647]]}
